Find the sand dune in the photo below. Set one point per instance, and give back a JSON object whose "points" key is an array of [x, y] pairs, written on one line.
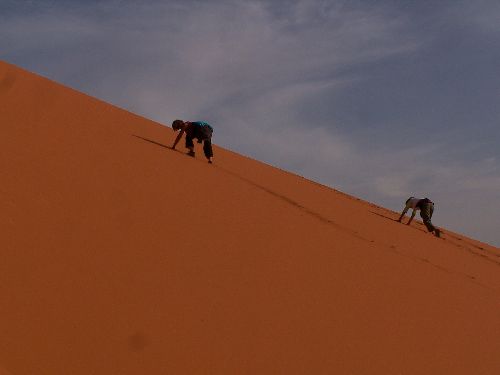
{"points": [[121, 256]]}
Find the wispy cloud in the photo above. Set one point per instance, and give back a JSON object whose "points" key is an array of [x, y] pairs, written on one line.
{"points": [[483, 15]]}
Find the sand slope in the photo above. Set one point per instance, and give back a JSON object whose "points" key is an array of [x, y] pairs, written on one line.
{"points": [[121, 256]]}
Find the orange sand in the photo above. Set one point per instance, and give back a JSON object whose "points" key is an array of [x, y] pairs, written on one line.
{"points": [[121, 256]]}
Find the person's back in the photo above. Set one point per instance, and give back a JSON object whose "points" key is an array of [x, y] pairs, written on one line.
{"points": [[201, 130], [412, 203]]}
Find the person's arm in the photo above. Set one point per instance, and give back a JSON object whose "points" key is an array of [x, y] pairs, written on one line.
{"points": [[403, 213], [412, 216], [179, 136]]}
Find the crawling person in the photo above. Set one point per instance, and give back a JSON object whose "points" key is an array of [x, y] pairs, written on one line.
{"points": [[426, 207], [195, 130]]}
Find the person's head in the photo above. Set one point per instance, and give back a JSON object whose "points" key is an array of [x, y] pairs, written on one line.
{"points": [[177, 124]]}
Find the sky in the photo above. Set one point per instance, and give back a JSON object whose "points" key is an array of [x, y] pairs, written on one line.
{"points": [[379, 99]]}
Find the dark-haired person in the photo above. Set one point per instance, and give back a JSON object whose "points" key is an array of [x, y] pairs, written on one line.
{"points": [[195, 130], [426, 207]]}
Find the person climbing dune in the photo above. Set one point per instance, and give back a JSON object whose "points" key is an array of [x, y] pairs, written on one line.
{"points": [[426, 208], [195, 130]]}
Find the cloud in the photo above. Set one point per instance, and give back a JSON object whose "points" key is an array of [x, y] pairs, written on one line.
{"points": [[481, 14], [223, 47]]}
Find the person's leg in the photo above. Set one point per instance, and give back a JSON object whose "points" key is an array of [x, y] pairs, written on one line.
{"points": [[403, 214], [207, 142], [437, 231], [426, 214], [411, 217], [207, 149], [190, 145]]}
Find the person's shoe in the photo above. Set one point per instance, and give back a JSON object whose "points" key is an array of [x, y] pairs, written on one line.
{"points": [[437, 232], [191, 153]]}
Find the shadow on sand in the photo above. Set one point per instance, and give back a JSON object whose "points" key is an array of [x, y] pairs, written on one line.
{"points": [[385, 217], [151, 141]]}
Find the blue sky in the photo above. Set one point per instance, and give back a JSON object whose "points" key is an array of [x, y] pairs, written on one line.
{"points": [[382, 100]]}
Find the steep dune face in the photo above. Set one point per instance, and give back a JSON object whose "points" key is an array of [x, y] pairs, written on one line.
{"points": [[121, 256]]}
